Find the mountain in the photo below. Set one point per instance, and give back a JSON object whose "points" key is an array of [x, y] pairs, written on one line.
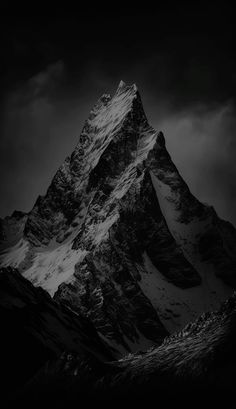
{"points": [[118, 236]]}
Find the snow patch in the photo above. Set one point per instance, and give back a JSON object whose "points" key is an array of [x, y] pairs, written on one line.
{"points": [[176, 306], [50, 267], [14, 255]]}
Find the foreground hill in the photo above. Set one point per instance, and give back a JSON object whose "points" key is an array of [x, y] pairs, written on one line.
{"points": [[192, 368]]}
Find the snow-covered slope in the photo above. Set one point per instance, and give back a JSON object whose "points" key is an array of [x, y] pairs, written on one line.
{"points": [[118, 236]]}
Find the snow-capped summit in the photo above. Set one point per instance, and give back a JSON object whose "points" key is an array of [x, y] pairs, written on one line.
{"points": [[123, 86], [120, 238]]}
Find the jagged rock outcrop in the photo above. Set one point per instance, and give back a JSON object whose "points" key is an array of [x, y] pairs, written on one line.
{"points": [[118, 236], [11, 229]]}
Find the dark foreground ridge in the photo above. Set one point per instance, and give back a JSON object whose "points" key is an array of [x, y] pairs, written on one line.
{"points": [[36, 329], [193, 367]]}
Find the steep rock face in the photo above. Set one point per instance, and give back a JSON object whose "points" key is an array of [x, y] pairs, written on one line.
{"points": [[11, 229], [202, 235], [110, 133], [118, 236]]}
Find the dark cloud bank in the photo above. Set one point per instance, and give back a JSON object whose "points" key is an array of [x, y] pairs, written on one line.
{"points": [[56, 69]]}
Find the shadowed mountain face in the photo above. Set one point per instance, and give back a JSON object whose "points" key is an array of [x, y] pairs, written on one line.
{"points": [[36, 329], [201, 357], [119, 238]]}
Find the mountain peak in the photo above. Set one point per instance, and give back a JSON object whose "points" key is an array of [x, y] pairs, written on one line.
{"points": [[123, 87], [108, 113], [122, 84]]}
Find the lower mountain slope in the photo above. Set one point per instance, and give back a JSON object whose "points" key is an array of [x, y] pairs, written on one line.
{"points": [[192, 368], [35, 329]]}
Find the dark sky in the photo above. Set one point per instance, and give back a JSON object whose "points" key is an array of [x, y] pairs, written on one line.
{"points": [[57, 62]]}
